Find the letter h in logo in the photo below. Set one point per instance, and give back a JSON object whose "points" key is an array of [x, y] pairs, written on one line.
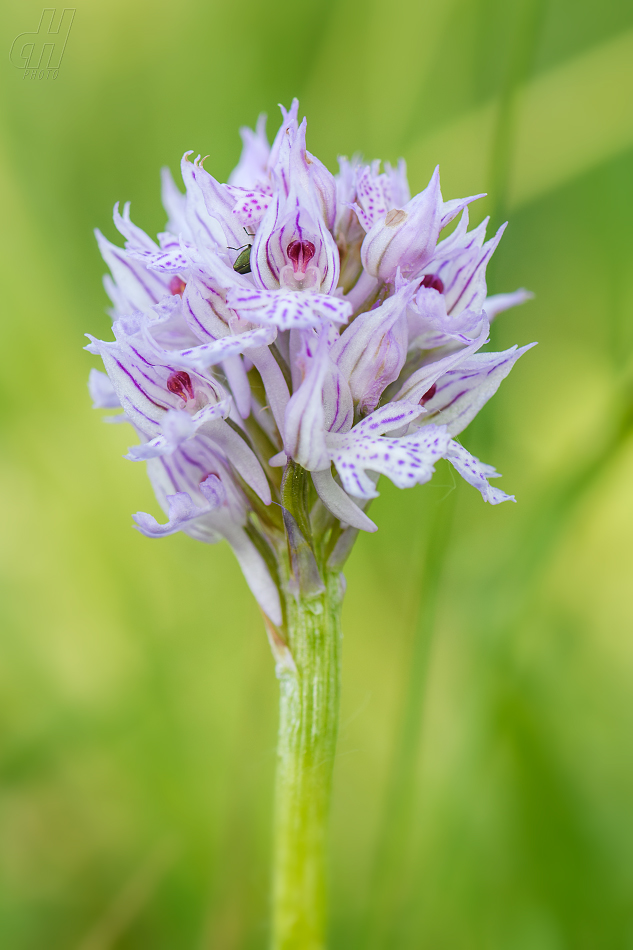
{"points": [[44, 48]]}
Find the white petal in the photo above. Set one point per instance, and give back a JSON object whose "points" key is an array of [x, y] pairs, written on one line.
{"points": [[476, 473], [102, 391], [407, 461], [288, 310], [339, 503]]}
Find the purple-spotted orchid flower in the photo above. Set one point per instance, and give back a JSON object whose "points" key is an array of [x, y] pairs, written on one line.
{"points": [[295, 328], [405, 238]]}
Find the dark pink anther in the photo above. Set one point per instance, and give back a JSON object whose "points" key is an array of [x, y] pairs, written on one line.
{"points": [[179, 383], [176, 286], [433, 281], [428, 394], [300, 253]]}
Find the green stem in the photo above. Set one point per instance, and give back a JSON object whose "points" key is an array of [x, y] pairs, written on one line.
{"points": [[308, 726]]}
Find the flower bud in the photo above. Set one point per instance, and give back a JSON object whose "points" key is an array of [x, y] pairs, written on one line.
{"points": [[371, 352], [406, 237]]}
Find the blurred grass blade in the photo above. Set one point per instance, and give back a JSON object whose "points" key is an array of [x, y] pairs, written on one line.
{"points": [[384, 905], [527, 33], [569, 119]]}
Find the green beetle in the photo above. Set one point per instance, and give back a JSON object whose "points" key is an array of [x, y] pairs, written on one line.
{"points": [[243, 260]]}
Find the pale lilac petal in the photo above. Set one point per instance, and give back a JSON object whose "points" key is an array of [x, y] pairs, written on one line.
{"points": [[304, 439], [417, 385], [135, 237], [394, 415], [324, 184], [296, 171], [240, 456], [274, 382], [163, 328], [250, 208], [476, 473], [175, 204], [463, 272], [120, 303], [499, 302], [457, 240], [205, 308], [299, 175], [251, 169], [178, 426], [371, 352], [239, 385], [288, 127], [339, 502], [288, 310], [348, 230], [102, 391], [430, 326], [172, 258], [185, 471], [467, 386], [214, 491], [302, 346], [338, 402], [407, 461], [346, 181], [205, 229], [373, 195], [137, 288], [256, 574], [398, 183], [181, 510], [218, 202], [450, 209], [216, 448], [210, 354]]}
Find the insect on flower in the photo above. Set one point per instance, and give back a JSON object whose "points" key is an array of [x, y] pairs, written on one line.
{"points": [[242, 264]]}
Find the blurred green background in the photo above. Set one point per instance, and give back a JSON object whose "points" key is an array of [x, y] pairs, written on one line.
{"points": [[484, 785]]}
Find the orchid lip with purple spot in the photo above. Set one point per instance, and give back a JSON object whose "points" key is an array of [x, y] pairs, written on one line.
{"points": [[434, 282], [179, 383], [300, 254], [428, 394]]}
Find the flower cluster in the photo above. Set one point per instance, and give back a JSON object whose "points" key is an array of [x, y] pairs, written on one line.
{"points": [[297, 328]]}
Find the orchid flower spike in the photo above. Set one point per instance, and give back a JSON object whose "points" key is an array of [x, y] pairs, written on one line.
{"points": [[291, 336]]}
